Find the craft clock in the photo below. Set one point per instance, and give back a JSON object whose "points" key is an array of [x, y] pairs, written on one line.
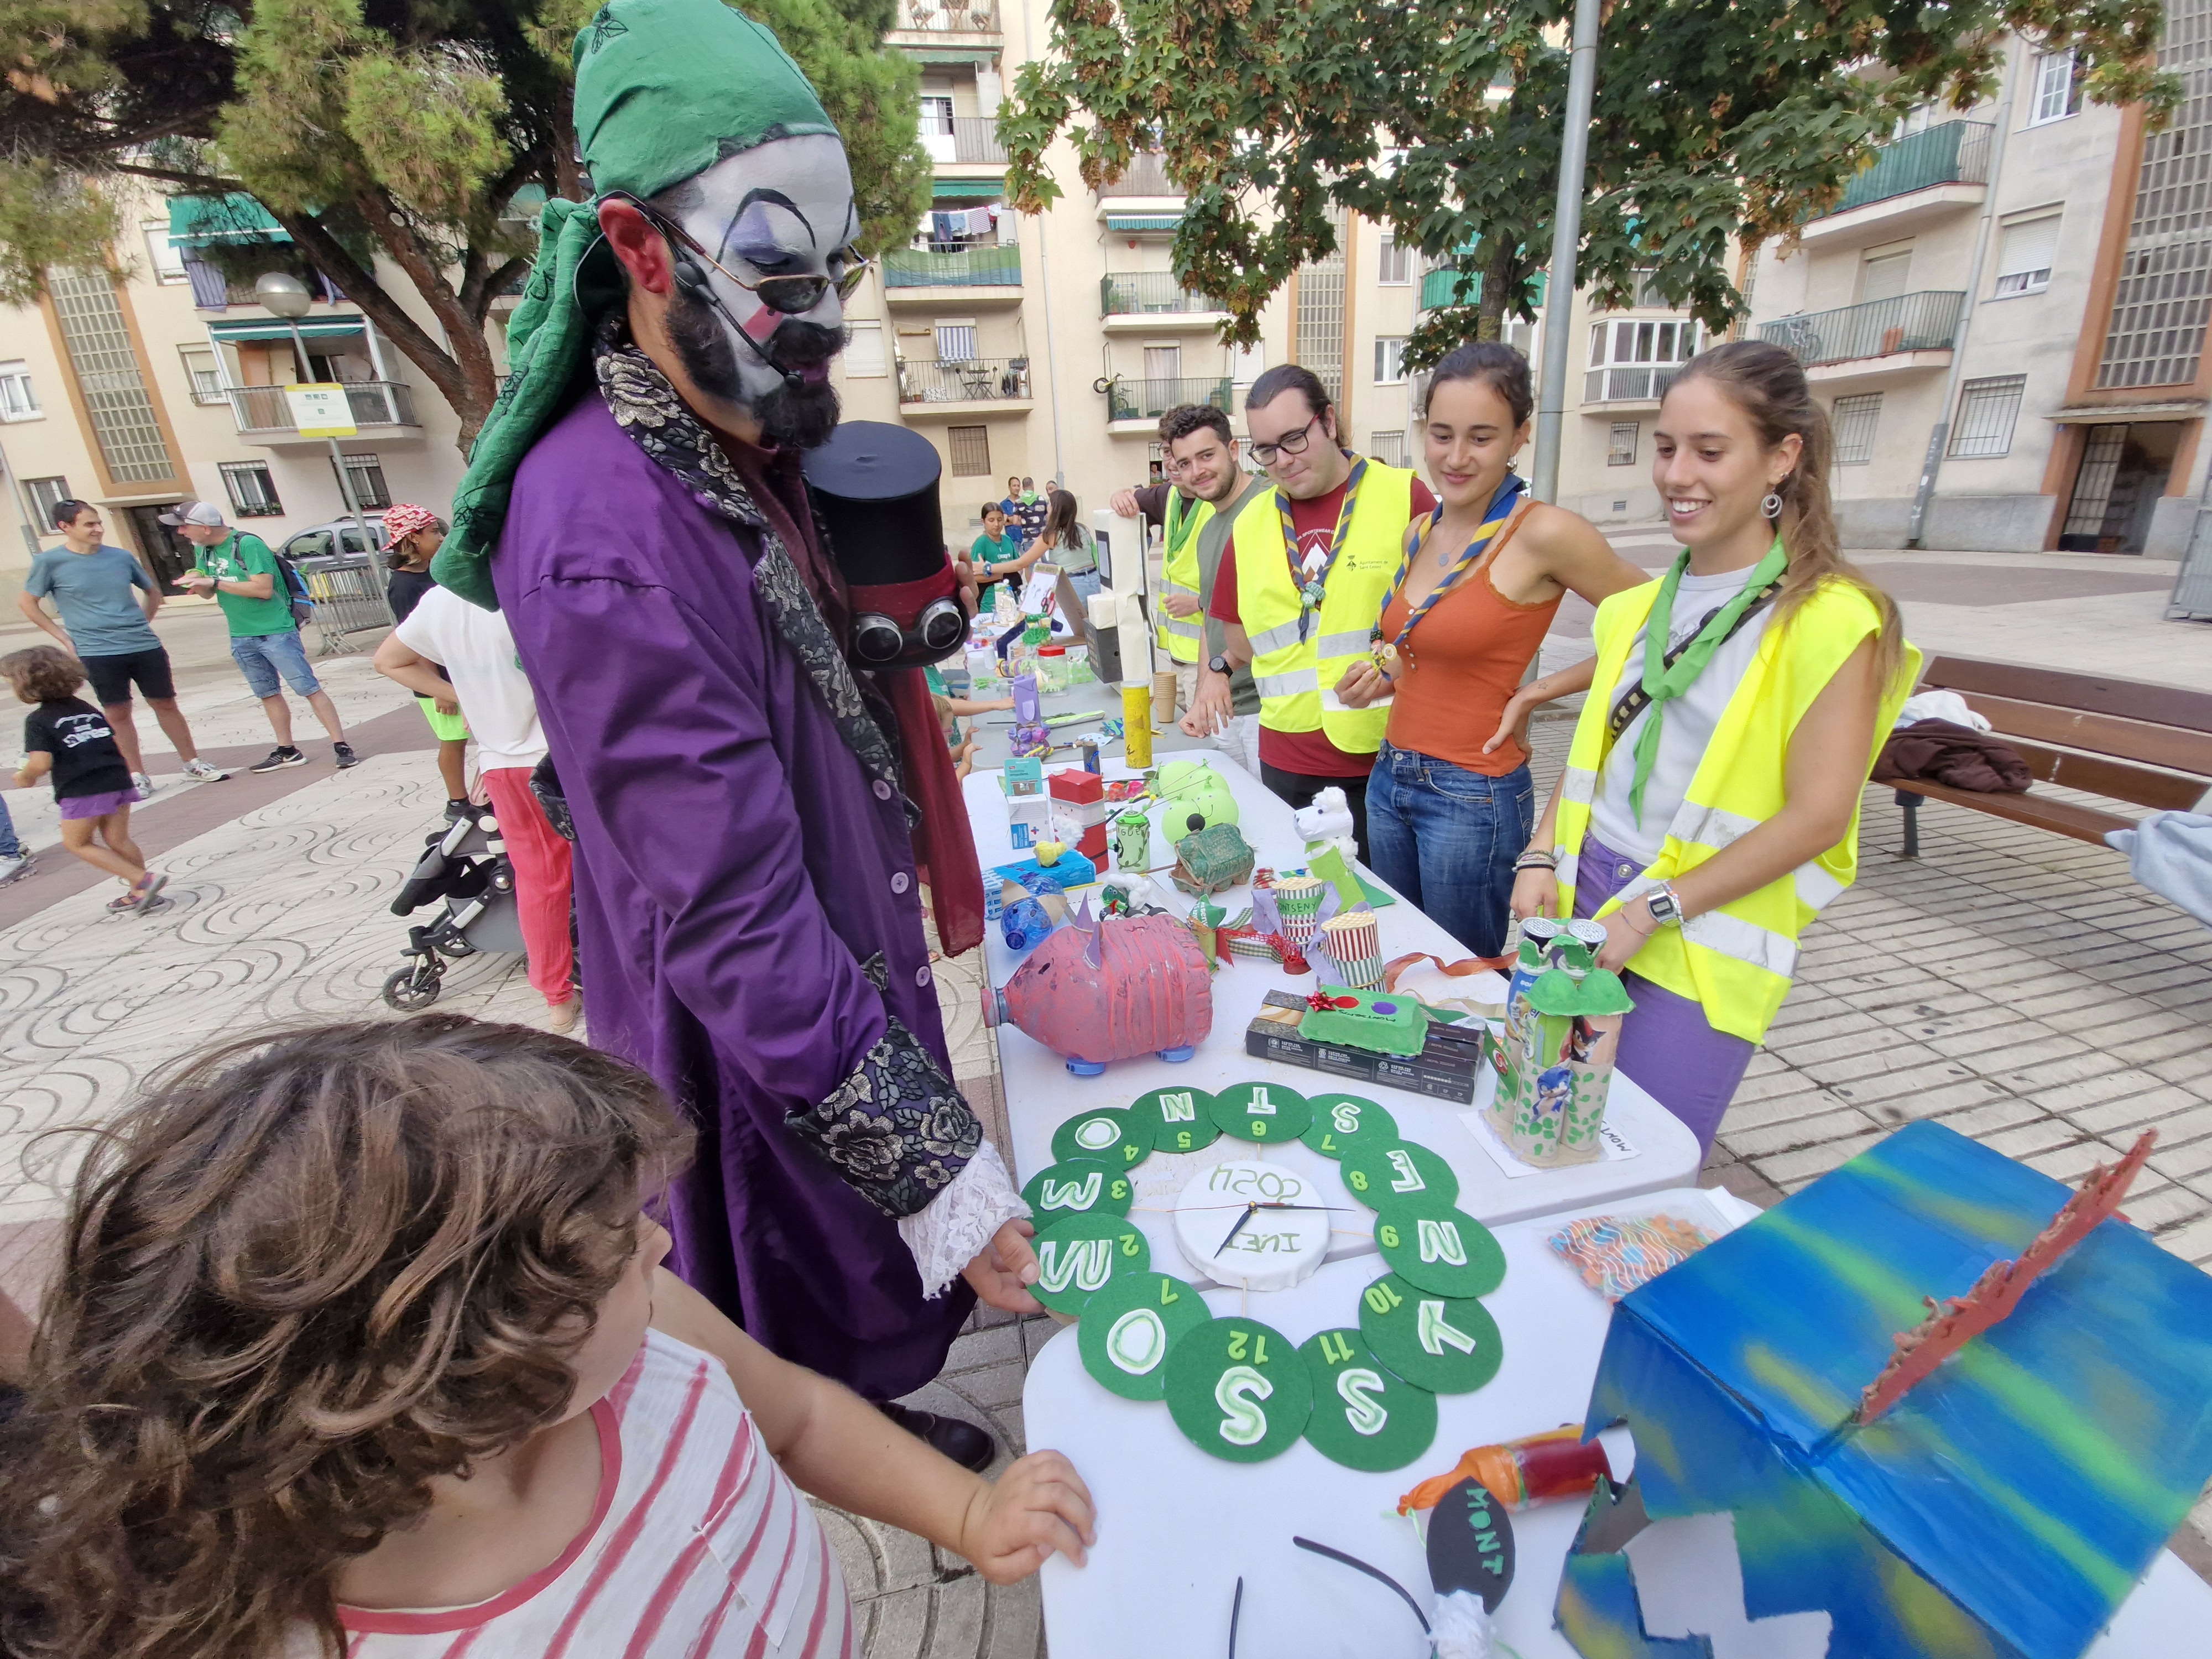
{"points": [[1364, 1393]]}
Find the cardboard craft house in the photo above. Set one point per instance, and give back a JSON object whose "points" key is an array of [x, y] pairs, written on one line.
{"points": [[2004, 1504]]}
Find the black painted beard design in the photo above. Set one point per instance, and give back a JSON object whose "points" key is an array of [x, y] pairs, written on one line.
{"points": [[802, 416]]}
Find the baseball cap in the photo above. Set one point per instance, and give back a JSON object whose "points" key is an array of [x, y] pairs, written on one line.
{"points": [[206, 514]]}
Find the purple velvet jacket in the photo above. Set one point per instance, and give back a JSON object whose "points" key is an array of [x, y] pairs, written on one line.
{"points": [[745, 890]]}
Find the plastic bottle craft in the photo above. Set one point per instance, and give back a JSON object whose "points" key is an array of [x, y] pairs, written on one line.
{"points": [[1096, 991], [1562, 1070]]}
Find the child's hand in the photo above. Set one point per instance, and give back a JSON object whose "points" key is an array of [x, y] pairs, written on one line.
{"points": [[1038, 1506]]}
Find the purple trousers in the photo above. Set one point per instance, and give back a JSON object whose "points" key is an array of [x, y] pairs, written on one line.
{"points": [[1666, 1044]]}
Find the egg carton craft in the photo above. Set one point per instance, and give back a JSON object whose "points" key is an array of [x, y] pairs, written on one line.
{"points": [[1212, 861]]}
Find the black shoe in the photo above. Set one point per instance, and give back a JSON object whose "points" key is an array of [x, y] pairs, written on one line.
{"points": [[969, 1447], [456, 811], [343, 753], [278, 759]]}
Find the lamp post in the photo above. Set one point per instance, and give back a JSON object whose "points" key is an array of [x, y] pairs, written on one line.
{"points": [[1566, 235], [288, 297]]}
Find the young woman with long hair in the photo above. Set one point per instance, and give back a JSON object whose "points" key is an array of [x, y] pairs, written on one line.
{"points": [[1481, 579], [1710, 806]]}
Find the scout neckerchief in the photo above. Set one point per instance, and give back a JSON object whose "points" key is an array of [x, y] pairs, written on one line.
{"points": [[1501, 507], [1309, 575], [1182, 521], [1667, 674]]}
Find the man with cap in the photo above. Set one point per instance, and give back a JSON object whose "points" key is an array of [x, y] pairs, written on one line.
{"points": [[237, 570], [754, 815]]}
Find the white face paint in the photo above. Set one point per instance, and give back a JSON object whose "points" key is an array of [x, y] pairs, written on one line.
{"points": [[781, 208]]}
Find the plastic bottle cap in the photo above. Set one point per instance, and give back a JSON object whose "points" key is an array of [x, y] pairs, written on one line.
{"points": [[1052, 651]]}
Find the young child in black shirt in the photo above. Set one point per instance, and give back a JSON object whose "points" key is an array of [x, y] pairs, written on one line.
{"points": [[70, 740]]}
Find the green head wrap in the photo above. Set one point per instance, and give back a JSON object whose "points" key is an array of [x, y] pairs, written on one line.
{"points": [[664, 89]]}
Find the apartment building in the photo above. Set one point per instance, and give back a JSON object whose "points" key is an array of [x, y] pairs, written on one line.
{"points": [[2076, 379]]}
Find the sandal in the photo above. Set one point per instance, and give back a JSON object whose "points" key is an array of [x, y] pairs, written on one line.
{"points": [[148, 885]]}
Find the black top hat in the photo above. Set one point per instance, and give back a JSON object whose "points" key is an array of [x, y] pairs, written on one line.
{"points": [[875, 485]]}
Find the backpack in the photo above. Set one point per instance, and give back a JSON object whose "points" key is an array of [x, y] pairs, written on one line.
{"points": [[303, 604]]}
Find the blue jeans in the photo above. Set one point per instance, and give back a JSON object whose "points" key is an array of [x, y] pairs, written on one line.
{"points": [[262, 656], [9, 847], [1447, 837]]}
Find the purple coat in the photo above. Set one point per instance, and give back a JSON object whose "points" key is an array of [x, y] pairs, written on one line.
{"points": [[735, 869]]}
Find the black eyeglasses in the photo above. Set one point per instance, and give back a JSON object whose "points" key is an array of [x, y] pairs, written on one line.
{"points": [[789, 296], [1293, 443]]}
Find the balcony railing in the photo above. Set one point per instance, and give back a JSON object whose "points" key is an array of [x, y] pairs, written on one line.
{"points": [[374, 403], [966, 267], [961, 138], [963, 380], [924, 16], [1147, 401], [1446, 287], [1148, 294], [1147, 175], [1955, 152], [1910, 322], [1631, 384]]}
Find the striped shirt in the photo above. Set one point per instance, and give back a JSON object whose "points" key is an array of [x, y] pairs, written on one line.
{"points": [[699, 1548]]}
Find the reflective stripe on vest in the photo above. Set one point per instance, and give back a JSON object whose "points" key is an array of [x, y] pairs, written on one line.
{"points": [[1290, 672], [1182, 638], [1737, 960]]}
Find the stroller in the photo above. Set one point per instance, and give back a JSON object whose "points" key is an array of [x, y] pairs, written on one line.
{"points": [[465, 866]]}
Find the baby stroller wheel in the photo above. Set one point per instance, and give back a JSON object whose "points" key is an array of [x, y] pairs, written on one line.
{"points": [[454, 948], [415, 987]]}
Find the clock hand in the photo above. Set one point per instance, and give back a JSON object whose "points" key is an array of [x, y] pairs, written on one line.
{"points": [[1250, 1210]]}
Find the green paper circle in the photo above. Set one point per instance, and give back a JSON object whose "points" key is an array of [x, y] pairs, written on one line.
{"points": [[1392, 1171], [1077, 1186], [1233, 1111], [1080, 1137], [1214, 1374], [1393, 1316], [1182, 1120], [1327, 1134], [1424, 1258], [1138, 1318], [1084, 1254], [1352, 1392]]}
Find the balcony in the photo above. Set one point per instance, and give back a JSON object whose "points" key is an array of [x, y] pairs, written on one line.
{"points": [[1446, 287], [927, 17], [963, 140], [1914, 179], [1608, 390], [264, 414], [983, 274], [1145, 401], [1153, 300], [1145, 180], [962, 388], [1879, 338]]}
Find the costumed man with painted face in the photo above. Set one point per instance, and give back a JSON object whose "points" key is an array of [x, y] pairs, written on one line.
{"points": [[754, 814]]}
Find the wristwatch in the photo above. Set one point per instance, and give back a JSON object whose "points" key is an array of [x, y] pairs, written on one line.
{"points": [[1665, 909], [1218, 663]]}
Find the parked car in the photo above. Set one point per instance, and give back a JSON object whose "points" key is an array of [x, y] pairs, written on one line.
{"points": [[338, 537]]}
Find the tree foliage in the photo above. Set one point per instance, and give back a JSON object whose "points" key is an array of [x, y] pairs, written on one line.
{"points": [[398, 128], [1715, 123]]}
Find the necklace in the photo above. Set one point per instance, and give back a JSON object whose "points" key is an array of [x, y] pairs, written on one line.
{"points": [[1389, 654], [1309, 575]]}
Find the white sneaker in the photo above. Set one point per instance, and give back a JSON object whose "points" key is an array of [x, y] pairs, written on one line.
{"points": [[142, 784], [200, 772], [14, 867]]}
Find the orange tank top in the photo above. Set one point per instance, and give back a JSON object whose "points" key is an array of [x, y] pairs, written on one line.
{"points": [[1467, 657]]}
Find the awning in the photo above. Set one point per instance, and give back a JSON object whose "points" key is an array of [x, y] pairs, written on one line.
{"points": [[968, 190], [1127, 223], [2177, 408], [310, 328], [222, 221]]}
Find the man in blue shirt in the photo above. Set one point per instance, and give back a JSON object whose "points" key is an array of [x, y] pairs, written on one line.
{"points": [[107, 603]]}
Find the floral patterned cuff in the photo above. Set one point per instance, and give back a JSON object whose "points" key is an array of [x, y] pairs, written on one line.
{"points": [[896, 1129]]}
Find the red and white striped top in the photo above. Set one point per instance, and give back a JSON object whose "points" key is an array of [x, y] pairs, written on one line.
{"points": [[699, 1548]]}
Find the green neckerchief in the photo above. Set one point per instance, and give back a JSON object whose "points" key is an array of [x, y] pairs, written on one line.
{"points": [[1182, 521], [1663, 683], [1314, 588]]}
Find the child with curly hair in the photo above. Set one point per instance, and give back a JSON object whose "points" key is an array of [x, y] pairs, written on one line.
{"points": [[360, 1345], [67, 739]]}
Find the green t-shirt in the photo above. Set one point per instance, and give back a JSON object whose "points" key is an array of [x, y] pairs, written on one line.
{"points": [[996, 550], [241, 558]]}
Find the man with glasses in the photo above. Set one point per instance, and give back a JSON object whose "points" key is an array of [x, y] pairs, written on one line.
{"points": [[754, 814], [1302, 582]]}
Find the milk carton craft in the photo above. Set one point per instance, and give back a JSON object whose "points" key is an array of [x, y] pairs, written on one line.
{"points": [[1132, 841], [1563, 1069]]}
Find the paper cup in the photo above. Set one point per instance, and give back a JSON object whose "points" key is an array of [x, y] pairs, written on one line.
{"points": [[1297, 901], [1354, 944]]}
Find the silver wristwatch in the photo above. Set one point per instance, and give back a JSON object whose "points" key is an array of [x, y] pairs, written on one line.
{"points": [[1666, 908]]}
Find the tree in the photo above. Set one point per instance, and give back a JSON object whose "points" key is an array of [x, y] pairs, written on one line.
{"points": [[1713, 123], [399, 128]]}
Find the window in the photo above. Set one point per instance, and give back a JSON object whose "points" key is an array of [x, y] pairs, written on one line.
{"points": [[1987, 409], [253, 491], [167, 263], [1247, 363], [365, 473], [1388, 447], [47, 495], [1642, 343], [1163, 362], [1854, 423], [2058, 92], [1522, 337], [937, 116], [1621, 451], [971, 451], [1390, 359], [2025, 255], [1397, 262], [17, 401], [1885, 272], [206, 376], [864, 348], [956, 342]]}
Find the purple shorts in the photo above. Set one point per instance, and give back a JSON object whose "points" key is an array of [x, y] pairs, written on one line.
{"points": [[98, 806], [1666, 1044]]}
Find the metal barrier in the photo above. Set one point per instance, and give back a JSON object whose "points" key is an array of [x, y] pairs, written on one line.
{"points": [[349, 598]]}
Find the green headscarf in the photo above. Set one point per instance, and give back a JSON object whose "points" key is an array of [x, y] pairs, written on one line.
{"points": [[665, 88]]}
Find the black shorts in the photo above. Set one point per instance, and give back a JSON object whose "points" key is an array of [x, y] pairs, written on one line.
{"points": [[112, 677]]}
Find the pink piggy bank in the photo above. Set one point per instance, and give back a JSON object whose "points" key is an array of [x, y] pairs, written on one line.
{"points": [[1098, 991]]}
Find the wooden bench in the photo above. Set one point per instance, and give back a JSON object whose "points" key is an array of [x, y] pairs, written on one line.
{"points": [[2128, 740]]}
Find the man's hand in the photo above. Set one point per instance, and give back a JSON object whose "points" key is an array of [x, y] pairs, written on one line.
{"points": [[1124, 502], [1003, 1272], [201, 584], [1179, 604], [1362, 684], [1038, 1507], [1211, 709]]}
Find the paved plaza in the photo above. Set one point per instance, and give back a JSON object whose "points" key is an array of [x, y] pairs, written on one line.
{"points": [[2013, 984]]}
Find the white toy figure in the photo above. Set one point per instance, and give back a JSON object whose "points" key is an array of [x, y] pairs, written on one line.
{"points": [[1328, 820]]}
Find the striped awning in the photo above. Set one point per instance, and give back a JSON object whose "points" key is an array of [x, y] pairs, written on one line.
{"points": [[1131, 223], [222, 221], [968, 190], [266, 328]]}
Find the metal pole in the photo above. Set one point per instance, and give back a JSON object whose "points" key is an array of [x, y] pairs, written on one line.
{"points": [[337, 455], [30, 536], [1939, 435], [1566, 237]]}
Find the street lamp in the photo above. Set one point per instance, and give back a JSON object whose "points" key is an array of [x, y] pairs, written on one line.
{"points": [[286, 296]]}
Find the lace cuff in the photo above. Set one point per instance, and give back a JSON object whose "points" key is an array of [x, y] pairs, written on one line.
{"points": [[896, 1129], [957, 1224]]}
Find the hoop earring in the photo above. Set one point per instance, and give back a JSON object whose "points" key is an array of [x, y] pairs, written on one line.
{"points": [[1771, 506]]}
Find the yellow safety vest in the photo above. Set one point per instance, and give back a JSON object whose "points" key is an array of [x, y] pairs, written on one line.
{"points": [[1737, 960], [1182, 637], [1290, 672]]}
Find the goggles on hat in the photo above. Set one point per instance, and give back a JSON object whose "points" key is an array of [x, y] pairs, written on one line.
{"points": [[789, 296]]}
